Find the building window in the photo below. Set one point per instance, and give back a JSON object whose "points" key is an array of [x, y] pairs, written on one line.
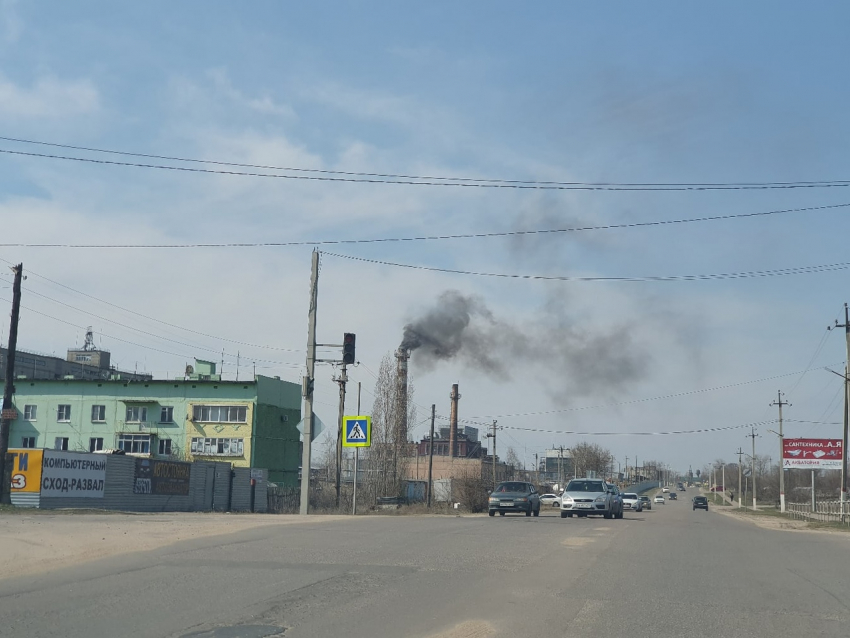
{"points": [[28, 441], [60, 443], [166, 414], [137, 414], [217, 446], [165, 447], [220, 413], [134, 443], [95, 444], [63, 413], [98, 413], [29, 412]]}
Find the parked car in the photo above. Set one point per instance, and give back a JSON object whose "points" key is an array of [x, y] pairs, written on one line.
{"points": [[659, 499], [514, 496], [672, 496], [632, 501], [591, 497], [646, 502], [552, 500], [700, 502]]}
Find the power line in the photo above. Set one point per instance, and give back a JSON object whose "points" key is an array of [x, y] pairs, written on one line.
{"points": [[799, 270], [669, 433], [442, 181], [378, 240]]}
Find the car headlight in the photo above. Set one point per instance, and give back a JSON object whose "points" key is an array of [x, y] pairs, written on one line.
{"points": [[566, 499], [600, 499], [494, 500], [521, 500]]}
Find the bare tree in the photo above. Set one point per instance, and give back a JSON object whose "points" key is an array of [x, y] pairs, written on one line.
{"points": [[386, 461], [591, 458]]}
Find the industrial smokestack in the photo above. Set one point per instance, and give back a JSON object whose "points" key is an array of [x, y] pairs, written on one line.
{"points": [[402, 356], [455, 395]]}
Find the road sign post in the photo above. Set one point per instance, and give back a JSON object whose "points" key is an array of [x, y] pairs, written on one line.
{"points": [[356, 433]]}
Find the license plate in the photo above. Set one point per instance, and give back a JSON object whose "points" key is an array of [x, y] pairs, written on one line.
{"points": [[506, 504], [586, 506]]}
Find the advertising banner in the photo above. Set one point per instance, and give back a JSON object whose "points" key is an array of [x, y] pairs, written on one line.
{"points": [[162, 477], [26, 470], [811, 454], [72, 475]]}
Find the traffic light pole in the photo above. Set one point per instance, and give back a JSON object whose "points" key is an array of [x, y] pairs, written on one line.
{"points": [[342, 380]]}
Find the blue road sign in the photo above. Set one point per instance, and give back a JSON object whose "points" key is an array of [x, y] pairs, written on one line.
{"points": [[356, 431]]}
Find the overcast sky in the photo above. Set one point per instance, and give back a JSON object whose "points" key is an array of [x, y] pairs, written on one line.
{"points": [[615, 93]]}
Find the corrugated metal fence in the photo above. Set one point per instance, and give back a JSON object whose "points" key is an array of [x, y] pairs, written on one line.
{"points": [[212, 486]]}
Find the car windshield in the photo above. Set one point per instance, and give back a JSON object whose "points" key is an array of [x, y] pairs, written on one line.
{"points": [[512, 487], [630, 496], [585, 486]]}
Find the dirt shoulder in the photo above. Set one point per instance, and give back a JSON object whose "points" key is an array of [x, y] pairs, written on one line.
{"points": [[777, 522], [36, 543]]}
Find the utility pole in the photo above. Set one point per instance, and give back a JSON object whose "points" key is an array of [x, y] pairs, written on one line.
{"points": [[560, 465], [779, 402], [342, 380], [723, 480], [493, 436], [846, 326], [740, 452], [753, 436], [8, 414], [431, 455], [307, 389]]}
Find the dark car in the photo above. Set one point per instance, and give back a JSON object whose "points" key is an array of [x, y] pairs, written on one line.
{"points": [[700, 502], [672, 496], [514, 496]]}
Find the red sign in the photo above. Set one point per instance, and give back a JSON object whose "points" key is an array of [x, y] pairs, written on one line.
{"points": [[814, 454]]}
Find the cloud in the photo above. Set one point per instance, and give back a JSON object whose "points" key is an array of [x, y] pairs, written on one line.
{"points": [[48, 97], [11, 25], [263, 104]]}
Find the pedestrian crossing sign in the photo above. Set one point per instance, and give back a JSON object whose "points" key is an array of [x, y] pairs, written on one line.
{"points": [[356, 431]]}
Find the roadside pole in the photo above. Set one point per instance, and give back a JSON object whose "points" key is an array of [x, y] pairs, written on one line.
{"points": [[8, 413], [740, 502], [753, 436], [431, 454], [307, 389], [846, 326], [356, 456], [779, 402], [342, 380]]}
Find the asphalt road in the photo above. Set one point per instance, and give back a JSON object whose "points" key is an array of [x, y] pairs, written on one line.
{"points": [[670, 572]]}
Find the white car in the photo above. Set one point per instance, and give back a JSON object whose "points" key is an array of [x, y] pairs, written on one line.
{"points": [[550, 500], [631, 501], [659, 499], [665, 489]]}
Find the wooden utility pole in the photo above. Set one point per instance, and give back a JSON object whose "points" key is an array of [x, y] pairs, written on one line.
{"points": [[431, 454], [753, 436], [740, 452], [779, 402], [9, 414], [846, 326], [307, 388]]}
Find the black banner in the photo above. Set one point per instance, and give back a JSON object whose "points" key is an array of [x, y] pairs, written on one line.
{"points": [[170, 478]]}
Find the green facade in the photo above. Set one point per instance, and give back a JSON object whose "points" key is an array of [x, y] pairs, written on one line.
{"points": [[130, 412]]}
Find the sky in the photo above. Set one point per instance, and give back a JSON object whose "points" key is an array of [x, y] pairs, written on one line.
{"points": [[657, 309]]}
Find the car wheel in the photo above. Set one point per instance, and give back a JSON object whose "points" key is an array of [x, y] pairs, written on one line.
{"points": [[564, 514], [607, 515], [528, 512], [537, 512], [492, 513], [620, 515], [695, 509]]}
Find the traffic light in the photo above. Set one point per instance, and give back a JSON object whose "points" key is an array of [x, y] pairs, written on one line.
{"points": [[348, 347]]}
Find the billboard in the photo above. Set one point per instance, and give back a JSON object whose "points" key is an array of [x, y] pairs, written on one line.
{"points": [[811, 454], [162, 477], [26, 471], [72, 475]]}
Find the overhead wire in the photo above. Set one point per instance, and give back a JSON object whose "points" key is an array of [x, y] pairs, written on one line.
{"points": [[323, 175], [798, 270], [428, 238]]}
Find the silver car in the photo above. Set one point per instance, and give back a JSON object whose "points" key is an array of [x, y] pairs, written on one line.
{"points": [[591, 497]]}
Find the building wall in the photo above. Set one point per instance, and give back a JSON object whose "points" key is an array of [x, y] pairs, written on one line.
{"points": [[446, 467]]}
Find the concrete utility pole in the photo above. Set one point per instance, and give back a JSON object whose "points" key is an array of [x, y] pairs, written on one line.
{"points": [[431, 454], [9, 414], [753, 436], [356, 451], [307, 389], [779, 402], [342, 380], [846, 326], [740, 452]]}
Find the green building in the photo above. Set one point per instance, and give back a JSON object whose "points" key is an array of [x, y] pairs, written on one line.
{"points": [[200, 417]]}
